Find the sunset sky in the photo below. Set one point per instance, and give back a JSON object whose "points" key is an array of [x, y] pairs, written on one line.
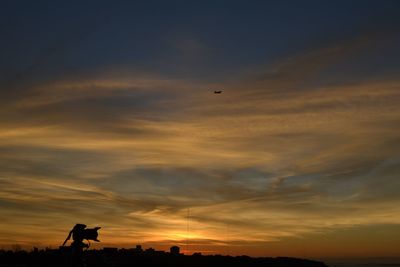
{"points": [[108, 117]]}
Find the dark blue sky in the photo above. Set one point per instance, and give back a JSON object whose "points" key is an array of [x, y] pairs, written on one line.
{"points": [[199, 40]]}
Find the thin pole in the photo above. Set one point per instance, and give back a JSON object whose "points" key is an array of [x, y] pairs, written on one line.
{"points": [[187, 231]]}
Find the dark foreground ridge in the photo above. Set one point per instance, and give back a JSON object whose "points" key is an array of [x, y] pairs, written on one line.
{"points": [[112, 257]]}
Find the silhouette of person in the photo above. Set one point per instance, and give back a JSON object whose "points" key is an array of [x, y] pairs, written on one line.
{"points": [[77, 246], [78, 234]]}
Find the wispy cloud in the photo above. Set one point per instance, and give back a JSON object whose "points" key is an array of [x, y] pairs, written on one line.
{"points": [[276, 156]]}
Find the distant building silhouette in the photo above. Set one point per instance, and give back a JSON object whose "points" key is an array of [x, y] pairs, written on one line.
{"points": [[115, 257], [110, 250], [174, 250], [153, 252], [138, 249], [150, 250]]}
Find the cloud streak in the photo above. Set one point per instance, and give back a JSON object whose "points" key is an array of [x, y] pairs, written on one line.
{"points": [[271, 159]]}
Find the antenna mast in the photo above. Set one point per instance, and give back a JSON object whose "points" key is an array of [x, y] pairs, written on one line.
{"points": [[187, 231]]}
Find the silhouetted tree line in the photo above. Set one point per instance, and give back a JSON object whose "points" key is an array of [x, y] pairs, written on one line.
{"points": [[151, 258]]}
